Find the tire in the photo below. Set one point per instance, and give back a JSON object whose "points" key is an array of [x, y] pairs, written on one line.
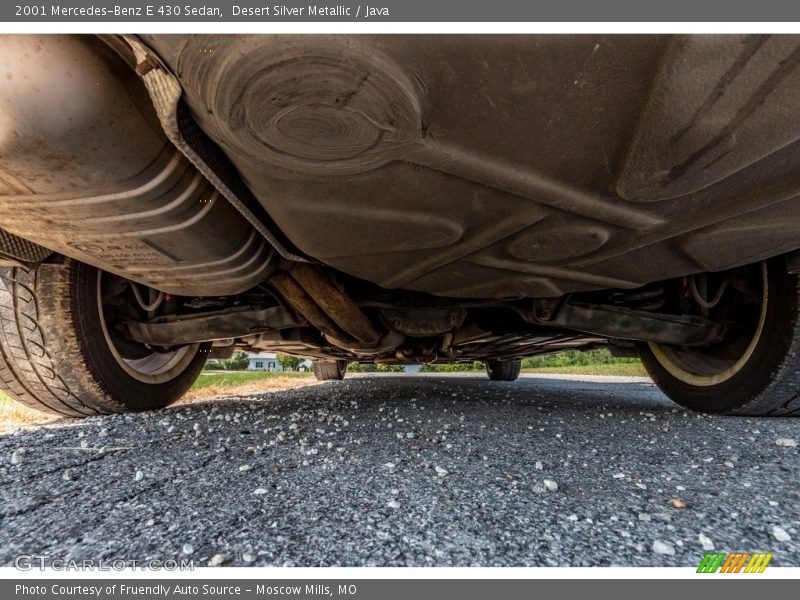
{"points": [[57, 356], [503, 370], [762, 379], [329, 370]]}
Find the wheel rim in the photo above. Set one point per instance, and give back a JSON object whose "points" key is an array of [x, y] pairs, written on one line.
{"points": [[695, 368], [155, 367]]}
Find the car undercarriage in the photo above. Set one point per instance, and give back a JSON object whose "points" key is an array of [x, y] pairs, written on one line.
{"points": [[398, 199]]}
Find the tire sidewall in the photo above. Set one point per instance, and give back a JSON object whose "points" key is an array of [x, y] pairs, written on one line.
{"points": [[118, 385], [747, 387]]}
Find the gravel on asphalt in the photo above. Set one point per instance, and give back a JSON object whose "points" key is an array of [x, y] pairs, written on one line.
{"points": [[407, 470]]}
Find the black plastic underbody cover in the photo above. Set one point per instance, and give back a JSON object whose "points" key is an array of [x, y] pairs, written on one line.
{"points": [[506, 166]]}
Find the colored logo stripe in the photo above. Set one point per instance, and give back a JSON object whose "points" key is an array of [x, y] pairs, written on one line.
{"points": [[711, 562], [734, 562], [758, 563]]}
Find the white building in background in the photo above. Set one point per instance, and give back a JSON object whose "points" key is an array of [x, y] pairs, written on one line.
{"points": [[263, 361], [268, 361]]}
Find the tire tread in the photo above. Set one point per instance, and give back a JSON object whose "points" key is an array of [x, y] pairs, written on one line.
{"points": [[27, 368], [49, 353], [503, 370]]}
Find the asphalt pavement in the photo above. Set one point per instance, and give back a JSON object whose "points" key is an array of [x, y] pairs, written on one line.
{"points": [[407, 470]]}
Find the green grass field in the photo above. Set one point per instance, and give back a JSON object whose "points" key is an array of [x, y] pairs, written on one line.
{"points": [[234, 378], [619, 369]]}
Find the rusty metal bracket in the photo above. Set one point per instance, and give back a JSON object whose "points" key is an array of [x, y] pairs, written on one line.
{"points": [[624, 323], [190, 329]]}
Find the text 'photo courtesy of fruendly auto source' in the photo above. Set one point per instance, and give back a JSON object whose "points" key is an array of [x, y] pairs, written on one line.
{"points": [[355, 287]]}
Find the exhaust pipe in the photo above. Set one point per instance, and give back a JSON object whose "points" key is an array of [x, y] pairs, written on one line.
{"points": [[349, 317], [313, 294], [86, 170]]}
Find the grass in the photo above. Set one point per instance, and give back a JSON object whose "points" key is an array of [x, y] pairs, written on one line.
{"points": [[13, 415], [216, 383], [235, 378], [208, 385], [619, 369]]}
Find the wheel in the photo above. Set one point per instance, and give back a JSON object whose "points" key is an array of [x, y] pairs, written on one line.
{"points": [[328, 370], [503, 370], [755, 370], [60, 353]]}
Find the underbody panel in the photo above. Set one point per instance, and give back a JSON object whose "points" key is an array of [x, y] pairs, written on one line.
{"points": [[509, 166], [407, 198], [395, 200]]}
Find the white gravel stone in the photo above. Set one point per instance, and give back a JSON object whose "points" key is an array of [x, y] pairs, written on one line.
{"points": [[645, 517], [663, 517], [780, 534], [393, 504], [538, 465], [187, 549], [217, 560], [248, 557], [539, 488], [69, 475], [705, 542], [786, 442], [389, 465], [441, 472], [660, 547], [244, 468], [139, 476], [551, 485], [18, 456], [618, 475]]}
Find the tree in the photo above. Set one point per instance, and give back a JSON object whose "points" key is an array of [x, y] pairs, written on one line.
{"points": [[289, 363], [238, 362]]}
